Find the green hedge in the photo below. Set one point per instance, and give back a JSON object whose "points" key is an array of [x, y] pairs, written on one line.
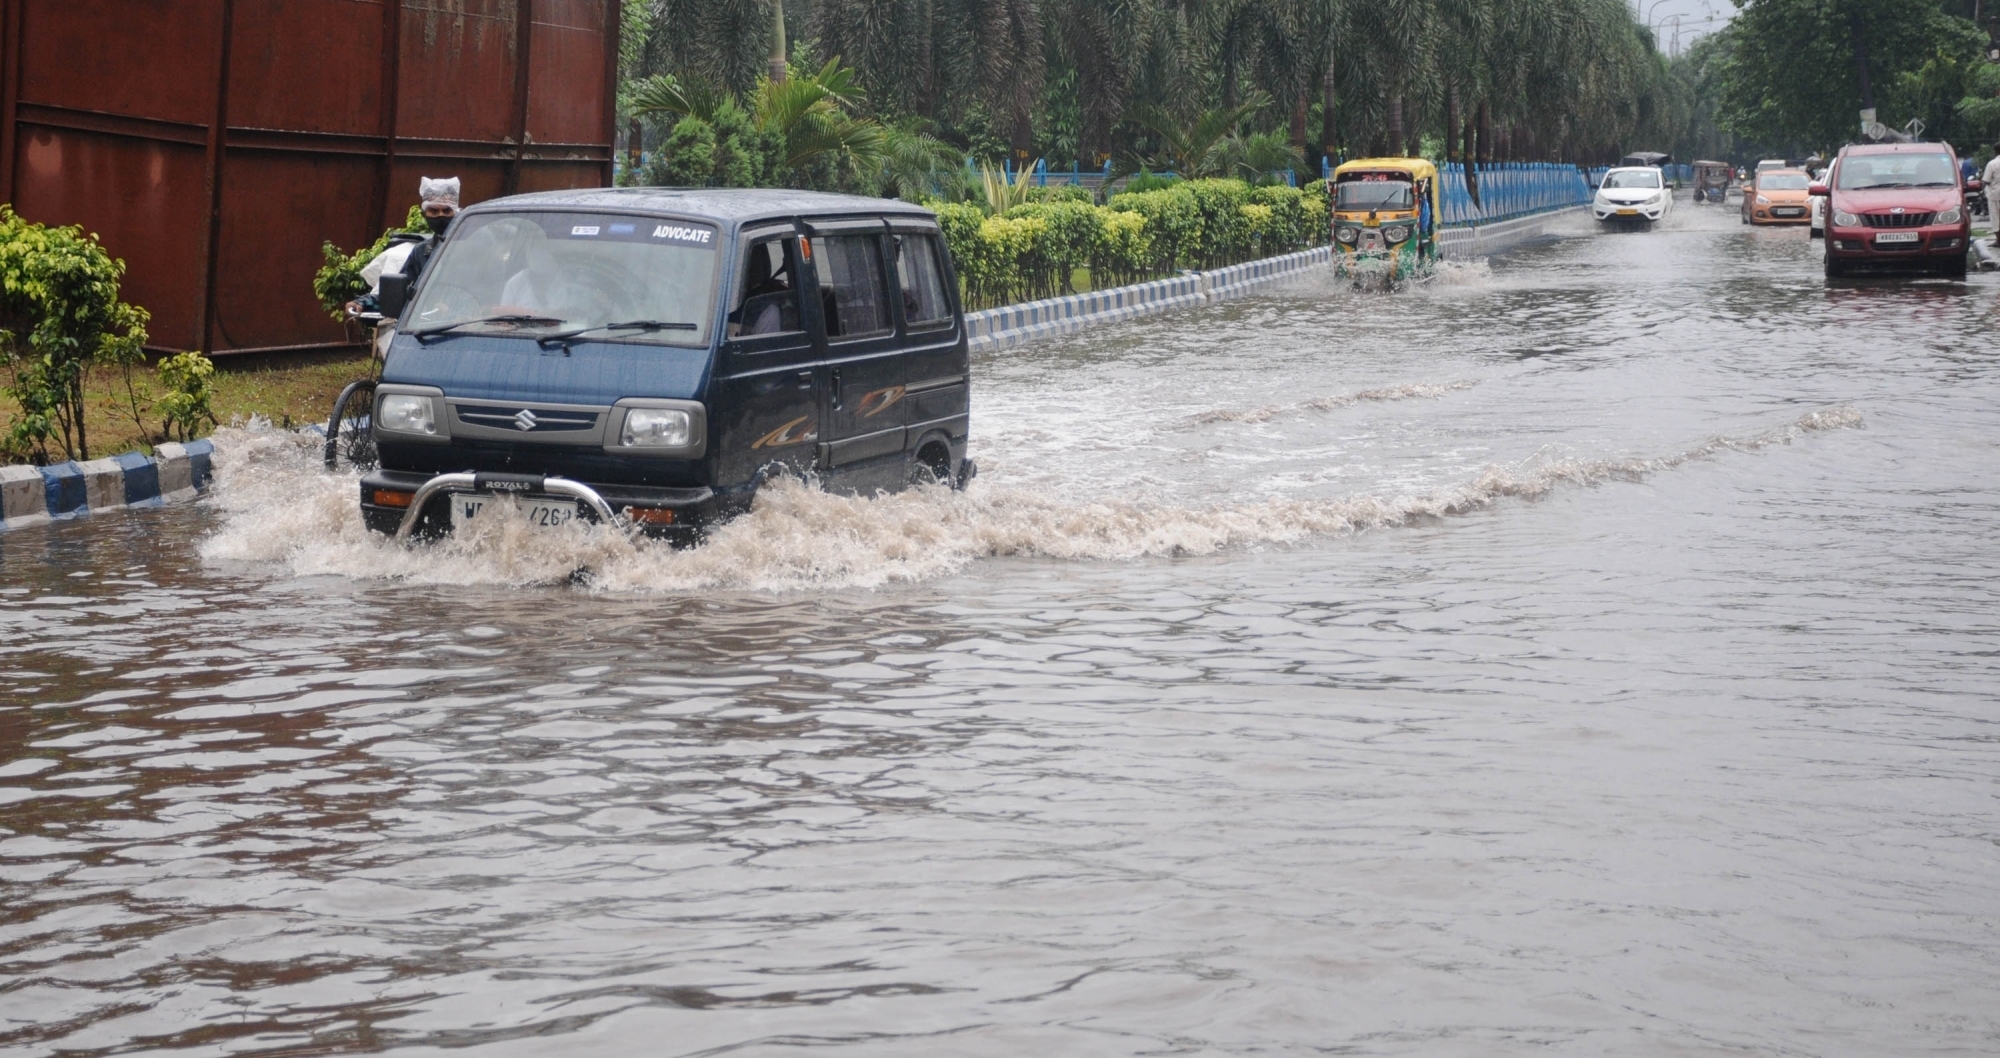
{"points": [[1036, 250]]}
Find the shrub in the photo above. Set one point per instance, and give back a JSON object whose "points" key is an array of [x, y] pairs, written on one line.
{"points": [[1062, 193], [1007, 248], [1223, 236], [1073, 231], [686, 158], [1316, 199], [1290, 227], [1124, 249], [185, 404], [59, 313], [339, 280], [1173, 225]]}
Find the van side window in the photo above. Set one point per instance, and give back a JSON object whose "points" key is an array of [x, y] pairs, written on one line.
{"points": [[924, 302], [850, 284], [768, 301]]}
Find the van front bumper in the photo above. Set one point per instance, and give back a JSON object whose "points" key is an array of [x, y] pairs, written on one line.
{"points": [[403, 503]]}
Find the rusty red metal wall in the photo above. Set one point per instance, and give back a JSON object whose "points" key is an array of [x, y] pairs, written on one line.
{"points": [[215, 144]]}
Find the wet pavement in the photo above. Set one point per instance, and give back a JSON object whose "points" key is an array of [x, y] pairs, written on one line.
{"points": [[1591, 654]]}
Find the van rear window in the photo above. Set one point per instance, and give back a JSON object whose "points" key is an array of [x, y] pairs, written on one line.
{"points": [[639, 279]]}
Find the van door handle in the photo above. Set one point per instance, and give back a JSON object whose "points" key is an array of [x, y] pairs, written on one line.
{"points": [[836, 389], [805, 380]]}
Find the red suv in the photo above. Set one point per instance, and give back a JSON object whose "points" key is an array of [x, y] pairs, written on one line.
{"points": [[1895, 206]]}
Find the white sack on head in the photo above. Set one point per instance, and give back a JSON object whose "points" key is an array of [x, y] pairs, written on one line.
{"points": [[438, 192]]}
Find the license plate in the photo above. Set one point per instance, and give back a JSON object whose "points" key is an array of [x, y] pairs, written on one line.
{"points": [[1628, 212], [542, 514], [1897, 236], [1787, 211]]}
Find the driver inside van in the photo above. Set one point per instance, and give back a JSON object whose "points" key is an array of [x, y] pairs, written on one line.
{"points": [[541, 287], [767, 291]]}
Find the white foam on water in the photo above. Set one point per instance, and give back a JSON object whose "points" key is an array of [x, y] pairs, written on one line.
{"points": [[1267, 412], [280, 508]]}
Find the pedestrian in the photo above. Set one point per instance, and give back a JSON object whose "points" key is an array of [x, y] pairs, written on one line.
{"points": [[408, 254]]}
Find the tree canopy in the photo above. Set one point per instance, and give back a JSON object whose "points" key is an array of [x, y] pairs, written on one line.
{"points": [[1213, 84], [1798, 73]]}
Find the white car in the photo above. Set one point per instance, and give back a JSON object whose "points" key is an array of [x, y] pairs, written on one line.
{"points": [[1634, 195]]}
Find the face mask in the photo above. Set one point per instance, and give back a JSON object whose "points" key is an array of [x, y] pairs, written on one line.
{"points": [[438, 224]]}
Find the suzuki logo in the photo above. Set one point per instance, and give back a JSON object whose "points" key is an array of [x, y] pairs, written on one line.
{"points": [[524, 420]]}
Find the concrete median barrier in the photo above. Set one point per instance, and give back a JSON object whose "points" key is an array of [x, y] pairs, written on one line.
{"points": [[31, 495]]}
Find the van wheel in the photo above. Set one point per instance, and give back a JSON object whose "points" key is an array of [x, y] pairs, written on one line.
{"points": [[933, 464], [1953, 269], [1835, 267]]}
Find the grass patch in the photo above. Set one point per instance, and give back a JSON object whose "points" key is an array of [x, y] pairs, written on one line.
{"points": [[290, 395]]}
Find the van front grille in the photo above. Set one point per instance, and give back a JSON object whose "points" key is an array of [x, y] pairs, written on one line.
{"points": [[525, 419]]}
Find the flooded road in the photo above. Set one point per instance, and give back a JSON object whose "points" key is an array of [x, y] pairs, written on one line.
{"points": [[1592, 654]]}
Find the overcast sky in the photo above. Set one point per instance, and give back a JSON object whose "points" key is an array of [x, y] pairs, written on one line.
{"points": [[1694, 18]]}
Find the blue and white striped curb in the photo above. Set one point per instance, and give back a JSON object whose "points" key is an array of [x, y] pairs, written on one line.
{"points": [[30, 495], [1011, 325]]}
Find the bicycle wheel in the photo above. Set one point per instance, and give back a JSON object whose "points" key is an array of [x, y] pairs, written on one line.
{"points": [[349, 441]]}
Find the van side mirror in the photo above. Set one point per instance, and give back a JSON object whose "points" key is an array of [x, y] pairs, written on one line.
{"points": [[392, 294], [1817, 190]]}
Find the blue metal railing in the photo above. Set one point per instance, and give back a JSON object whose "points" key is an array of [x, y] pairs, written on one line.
{"points": [[1510, 189]]}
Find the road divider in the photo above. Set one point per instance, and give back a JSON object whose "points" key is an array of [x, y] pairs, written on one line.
{"points": [[32, 495]]}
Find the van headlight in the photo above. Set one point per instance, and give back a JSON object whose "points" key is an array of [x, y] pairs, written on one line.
{"points": [[656, 428], [1950, 216], [1396, 232], [1845, 219], [408, 413]]}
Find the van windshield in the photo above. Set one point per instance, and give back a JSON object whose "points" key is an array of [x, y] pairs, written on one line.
{"points": [[543, 272], [1928, 169], [1355, 196]]}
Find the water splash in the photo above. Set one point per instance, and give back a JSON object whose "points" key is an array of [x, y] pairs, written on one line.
{"points": [[280, 508]]}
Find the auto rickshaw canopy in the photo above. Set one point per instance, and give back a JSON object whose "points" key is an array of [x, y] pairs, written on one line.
{"points": [[1415, 168]]}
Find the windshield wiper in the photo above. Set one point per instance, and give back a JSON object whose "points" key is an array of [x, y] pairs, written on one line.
{"points": [[511, 317], [628, 325]]}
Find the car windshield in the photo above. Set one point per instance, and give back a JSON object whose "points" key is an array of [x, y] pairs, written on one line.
{"points": [[1373, 193], [1929, 169], [1648, 178], [545, 272], [1783, 182]]}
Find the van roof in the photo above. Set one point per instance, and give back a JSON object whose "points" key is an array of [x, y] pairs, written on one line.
{"points": [[723, 204]]}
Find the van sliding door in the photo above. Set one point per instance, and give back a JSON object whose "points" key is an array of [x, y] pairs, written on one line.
{"points": [[864, 410]]}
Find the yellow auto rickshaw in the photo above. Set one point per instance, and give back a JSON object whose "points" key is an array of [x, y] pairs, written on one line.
{"points": [[1385, 218]]}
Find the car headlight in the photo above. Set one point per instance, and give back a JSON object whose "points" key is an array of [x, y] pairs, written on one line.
{"points": [[1950, 216], [656, 428], [1396, 232], [1346, 235], [408, 413], [1845, 219], [1762, 201]]}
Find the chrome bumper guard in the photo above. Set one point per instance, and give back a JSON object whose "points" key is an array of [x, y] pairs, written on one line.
{"points": [[502, 483]]}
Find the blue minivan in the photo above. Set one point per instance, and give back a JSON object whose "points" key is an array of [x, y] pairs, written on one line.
{"points": [[656, 354]]}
